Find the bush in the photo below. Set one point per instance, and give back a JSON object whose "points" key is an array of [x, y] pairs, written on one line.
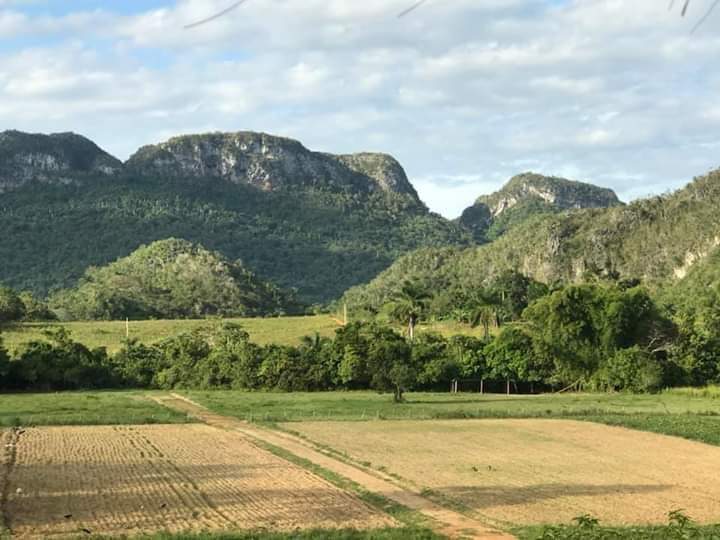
{"points": [[632, 369]]}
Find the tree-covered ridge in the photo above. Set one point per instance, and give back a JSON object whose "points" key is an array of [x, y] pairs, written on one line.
{"points": [[654, 240], [59, 158], [171, 279], [317, 237], [527, 195]]}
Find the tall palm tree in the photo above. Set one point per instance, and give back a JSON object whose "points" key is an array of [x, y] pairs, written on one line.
{"points": [[409, 304], [484, 310]]}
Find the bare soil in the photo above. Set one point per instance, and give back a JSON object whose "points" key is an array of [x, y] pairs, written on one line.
{"points": [[537, 471], [142, 479], [445, 521]]}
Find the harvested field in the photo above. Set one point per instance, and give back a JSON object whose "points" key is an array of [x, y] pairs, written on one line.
{"points": [[140, 479], [529, 472]]}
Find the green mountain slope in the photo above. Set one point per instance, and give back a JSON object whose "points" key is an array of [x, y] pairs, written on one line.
{"points": [[528, 195], [171, 279], [656, 240], [315, 222]]}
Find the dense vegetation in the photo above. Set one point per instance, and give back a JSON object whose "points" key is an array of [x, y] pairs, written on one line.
{"points": [[600, 336], [528, 195], [654, 240], [23, 306], [319, 241], [171, 279]]}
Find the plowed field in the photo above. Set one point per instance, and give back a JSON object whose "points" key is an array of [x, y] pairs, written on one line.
{"points": [[131, 480], [538, 471]]}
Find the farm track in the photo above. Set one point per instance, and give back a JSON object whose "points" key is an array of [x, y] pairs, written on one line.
{"points": [[448, 522], [535, 471]]}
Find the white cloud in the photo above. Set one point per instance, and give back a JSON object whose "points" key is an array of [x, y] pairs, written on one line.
{"points": [[464, 93]]}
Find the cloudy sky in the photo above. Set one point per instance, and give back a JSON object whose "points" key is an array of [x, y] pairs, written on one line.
{"points": [[465, 93]]}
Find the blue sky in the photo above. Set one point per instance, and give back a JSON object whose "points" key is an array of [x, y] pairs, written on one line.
{"points": [[464, 93]]}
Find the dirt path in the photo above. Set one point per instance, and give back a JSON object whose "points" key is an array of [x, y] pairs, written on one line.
{"points": [[449, 523]]}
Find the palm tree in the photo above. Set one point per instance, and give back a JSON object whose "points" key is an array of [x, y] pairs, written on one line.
{"points": [[484, 310], [409, 304]]}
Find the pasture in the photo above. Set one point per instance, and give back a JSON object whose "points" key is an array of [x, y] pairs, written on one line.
{"points": [[531, 472], [280, 331], [84, 408]]}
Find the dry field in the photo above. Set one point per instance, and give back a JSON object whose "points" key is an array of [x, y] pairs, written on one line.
{"points": [[538, 471], [139, 479]]}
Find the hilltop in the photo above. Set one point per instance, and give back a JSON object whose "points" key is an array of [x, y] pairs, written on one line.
{"points": [[656, 240], [60, 158], [171, 279], [307, 220], [527, 195]]}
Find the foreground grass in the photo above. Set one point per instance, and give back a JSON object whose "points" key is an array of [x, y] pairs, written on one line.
{"points": [[403, 533], [281, 331], [668, 532], [84, 408]]}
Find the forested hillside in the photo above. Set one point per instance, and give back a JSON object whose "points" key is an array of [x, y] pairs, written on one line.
{"points": [[171, 279], [314, 222], [655, 240]]}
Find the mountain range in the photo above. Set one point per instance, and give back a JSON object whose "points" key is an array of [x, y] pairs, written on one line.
{"points": [[312, 221], [323, 224], [656, 241]]}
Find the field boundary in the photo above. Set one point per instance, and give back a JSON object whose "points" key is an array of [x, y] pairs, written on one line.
{"points": [[450, 522], [10, 451], [399, 481]]}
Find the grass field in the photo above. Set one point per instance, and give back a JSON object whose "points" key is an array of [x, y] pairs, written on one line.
{"points": [[84, 408], [535, 471], [370, 405], [283, 331], [400, 533]]}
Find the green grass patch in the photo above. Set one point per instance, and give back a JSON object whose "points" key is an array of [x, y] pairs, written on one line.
{"points": [[281, 331], [694, 427], [405, 533], [712, 391], [680, 527], [348, 406], [84, 408]]}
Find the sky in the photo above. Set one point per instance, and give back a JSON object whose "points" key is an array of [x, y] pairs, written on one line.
{"points": [[464, 93]]}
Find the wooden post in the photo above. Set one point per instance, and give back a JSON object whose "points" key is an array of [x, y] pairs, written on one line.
{"points": [[127, 328], [482, 386], [345, 313], [508, 387]]}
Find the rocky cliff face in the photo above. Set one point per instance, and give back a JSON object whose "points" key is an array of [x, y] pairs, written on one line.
{"points": [[269, 163], [531, 194], [560, 193], [63, 158]]}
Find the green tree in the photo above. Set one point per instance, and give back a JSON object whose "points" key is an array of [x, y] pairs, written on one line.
{"points": [[137, 364], [409, 305], [510, 356], [12, 308], [633, 369], [4, 366], [483, 310], [35, 310]]}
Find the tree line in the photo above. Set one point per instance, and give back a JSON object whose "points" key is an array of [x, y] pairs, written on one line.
{"points": [[605, 337]]}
